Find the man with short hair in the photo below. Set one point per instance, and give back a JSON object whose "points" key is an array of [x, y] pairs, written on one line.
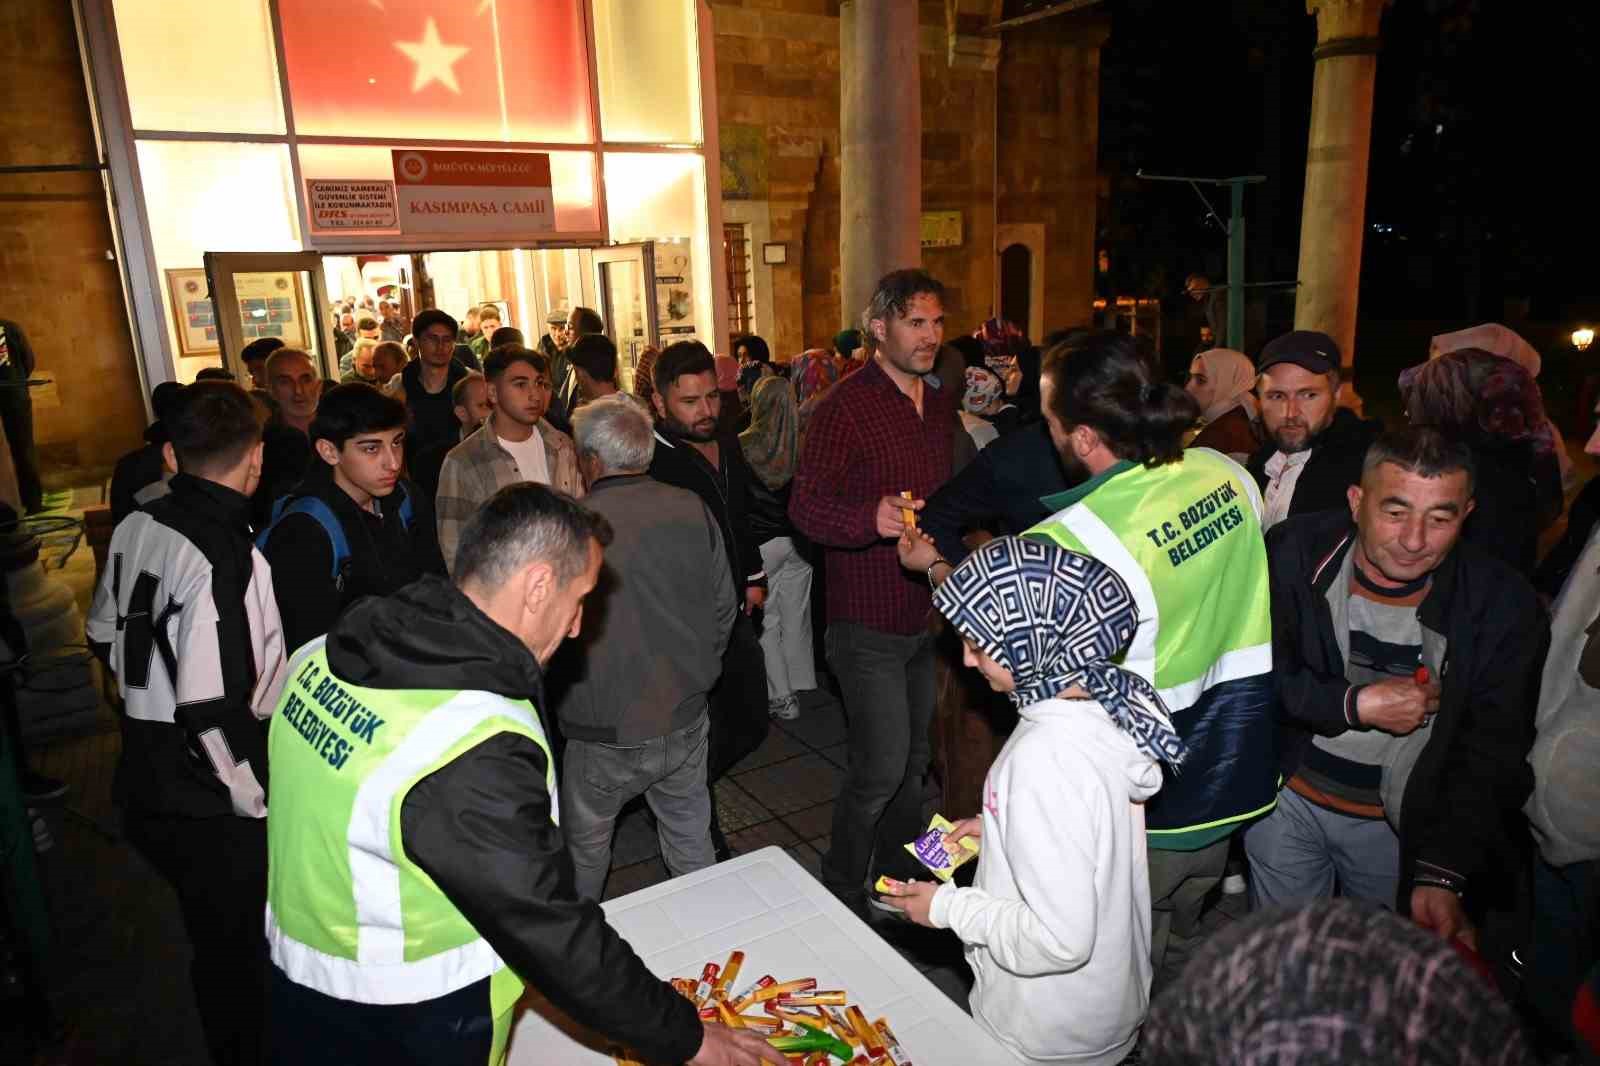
{"points": [[488, 322], [472, 407], [293, 384], [1182, 528], [367, 326], [692, 455], [254, 356], [1405, 661], [1314, 447], [418, 874], [388, 360], [636, 720], [344, 330], [425, 385], [581, 322], [594, 362], [514, 445], [184, 616], [353, 527], [361, 364], [886, 429], [393, 327]]}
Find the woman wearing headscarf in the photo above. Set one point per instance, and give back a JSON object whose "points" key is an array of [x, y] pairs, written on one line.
{"points": [[1491, 404], [1057, 921], [1222, 382], [812, 374], [1500, 340], [772, 447], [1333, 983]]}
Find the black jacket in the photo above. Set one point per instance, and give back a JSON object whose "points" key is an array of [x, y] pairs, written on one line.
{"points": [[1000, 490], [481, 826], [182, 617], [726, 493], [140, 467], [769, 511], [1334, 466], [385, 555], [1461, 807], [285, 458]]}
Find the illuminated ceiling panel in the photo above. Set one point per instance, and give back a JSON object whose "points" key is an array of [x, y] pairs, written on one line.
{"points": [[449, 69]]}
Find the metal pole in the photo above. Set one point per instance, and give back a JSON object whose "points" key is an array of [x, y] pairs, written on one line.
{"points": [[1236, 267]]}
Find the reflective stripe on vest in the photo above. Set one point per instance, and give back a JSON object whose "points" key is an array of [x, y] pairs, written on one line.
{"points": [[378, 930]]}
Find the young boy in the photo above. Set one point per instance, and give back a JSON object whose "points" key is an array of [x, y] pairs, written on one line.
{"points": [[1057, 921], [185, 618], [354, 527]]}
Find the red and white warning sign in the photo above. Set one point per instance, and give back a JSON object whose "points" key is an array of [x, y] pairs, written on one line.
{"points": [[448, 193], [348, 205]]}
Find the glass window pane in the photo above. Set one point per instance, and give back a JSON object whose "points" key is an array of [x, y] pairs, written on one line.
{"points": [[661, 197], [647, 57], [203, 197], [182, 76], [469, 70], [572, 178]]}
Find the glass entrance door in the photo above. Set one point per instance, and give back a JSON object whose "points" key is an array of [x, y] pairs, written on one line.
{"points": [[625, 280], [270, 294]]}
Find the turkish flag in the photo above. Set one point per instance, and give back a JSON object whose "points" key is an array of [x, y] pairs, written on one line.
{"points": [[448, 69]]}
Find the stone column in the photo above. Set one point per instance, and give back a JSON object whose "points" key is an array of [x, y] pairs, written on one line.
{"points": [[880, 134], [1334, 216]]}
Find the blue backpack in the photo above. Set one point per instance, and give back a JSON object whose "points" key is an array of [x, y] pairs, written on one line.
{"points": [[323, 515]]}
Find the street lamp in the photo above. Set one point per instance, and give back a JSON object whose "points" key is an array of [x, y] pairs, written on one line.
{"points": [[1582, 337]]}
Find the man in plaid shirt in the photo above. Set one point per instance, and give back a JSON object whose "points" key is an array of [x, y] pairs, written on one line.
{"points": [[884, 430]]}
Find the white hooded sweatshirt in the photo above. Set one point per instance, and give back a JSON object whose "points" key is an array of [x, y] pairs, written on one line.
{"points": [[1057, 922]]}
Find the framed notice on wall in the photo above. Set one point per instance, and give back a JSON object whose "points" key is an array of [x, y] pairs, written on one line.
{"points": [[271, 305], [192, 311]]}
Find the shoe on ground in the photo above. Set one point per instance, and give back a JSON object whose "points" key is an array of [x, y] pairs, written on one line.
{"points": [[38, 787], [785, 708]]}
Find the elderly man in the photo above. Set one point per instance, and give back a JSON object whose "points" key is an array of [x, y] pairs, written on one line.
{"points": [[1403, 661], [636, 720], [417, 876]]}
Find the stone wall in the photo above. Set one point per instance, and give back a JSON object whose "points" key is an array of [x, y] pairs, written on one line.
{"points": [[56, 279], [777, 67]]}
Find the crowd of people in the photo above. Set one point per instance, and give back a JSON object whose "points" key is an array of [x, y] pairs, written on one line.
{"points": [[366, 633]]}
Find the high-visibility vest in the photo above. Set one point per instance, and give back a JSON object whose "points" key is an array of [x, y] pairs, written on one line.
{"points": [[1186, 537], [348, 913]]}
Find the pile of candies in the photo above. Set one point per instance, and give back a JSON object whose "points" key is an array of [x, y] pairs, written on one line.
{"points": [[810, 1026]]}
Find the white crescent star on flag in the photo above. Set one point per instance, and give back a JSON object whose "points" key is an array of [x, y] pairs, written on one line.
{"points": [[435, 60]]}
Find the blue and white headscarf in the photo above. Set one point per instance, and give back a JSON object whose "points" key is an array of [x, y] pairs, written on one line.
{"points": [[1055, 618]]}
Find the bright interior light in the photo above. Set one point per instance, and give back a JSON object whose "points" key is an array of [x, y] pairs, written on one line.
{"points": [[1582, 337]]}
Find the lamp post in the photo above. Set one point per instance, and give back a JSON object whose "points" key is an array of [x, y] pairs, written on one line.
{"points": [[1582, 337]]}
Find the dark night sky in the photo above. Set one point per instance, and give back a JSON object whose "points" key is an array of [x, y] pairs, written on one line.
{"points": [[1483, 160]]}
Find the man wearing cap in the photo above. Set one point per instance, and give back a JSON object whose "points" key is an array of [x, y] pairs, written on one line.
{"points": [[1314, 447]]}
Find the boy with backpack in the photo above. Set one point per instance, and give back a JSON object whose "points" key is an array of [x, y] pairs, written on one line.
{"points": [[353, 527]]}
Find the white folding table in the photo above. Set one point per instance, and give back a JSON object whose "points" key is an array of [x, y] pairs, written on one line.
{"points": [[766, 905]]}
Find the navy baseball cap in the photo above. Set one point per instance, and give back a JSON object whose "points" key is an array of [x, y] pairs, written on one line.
{"points": [[1305, 348]]}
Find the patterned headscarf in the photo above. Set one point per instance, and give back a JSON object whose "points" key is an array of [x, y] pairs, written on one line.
{"points": [[1001, 339], [1331, 983], [772, 443], [983, 389], [1493, 338], [813, 372], [1477, 394], [1055, 618]]}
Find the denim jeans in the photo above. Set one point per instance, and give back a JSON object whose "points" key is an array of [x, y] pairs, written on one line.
{"points": [[888, 686], [669, 771]]}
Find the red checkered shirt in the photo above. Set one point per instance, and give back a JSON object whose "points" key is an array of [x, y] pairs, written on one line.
{"points": [[866, 441]]}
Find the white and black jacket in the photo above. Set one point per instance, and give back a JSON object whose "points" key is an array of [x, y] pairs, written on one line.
{"points": [[185, 618]]}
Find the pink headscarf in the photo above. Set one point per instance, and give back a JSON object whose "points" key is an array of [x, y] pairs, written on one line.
{"points": [[727, 373], [1493, 338]]}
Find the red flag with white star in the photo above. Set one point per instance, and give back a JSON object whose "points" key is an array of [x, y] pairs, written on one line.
{"points": [[448, 69]]}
